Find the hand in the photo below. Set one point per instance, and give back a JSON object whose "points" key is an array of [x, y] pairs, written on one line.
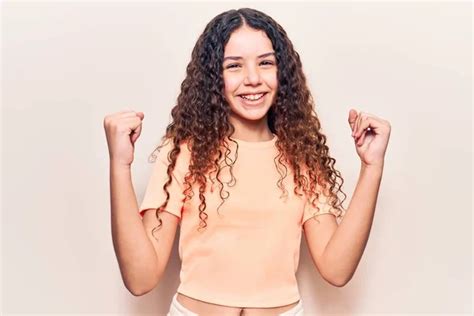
{"points": [[122, 130], [371, 135]]}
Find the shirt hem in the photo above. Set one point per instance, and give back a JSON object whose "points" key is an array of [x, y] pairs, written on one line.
{"points": [[237, 304]]}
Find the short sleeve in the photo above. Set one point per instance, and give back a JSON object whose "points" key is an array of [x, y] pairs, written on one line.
{"points": [[324, 205], [154, 193]]}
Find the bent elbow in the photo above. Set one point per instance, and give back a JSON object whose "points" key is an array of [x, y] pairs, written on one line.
{"points": [[143, 284], [139, 292], [142, 289], [341, 282], [337, 281]]}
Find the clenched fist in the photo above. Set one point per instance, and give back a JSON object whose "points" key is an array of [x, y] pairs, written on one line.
{"points": [[122, 130]]}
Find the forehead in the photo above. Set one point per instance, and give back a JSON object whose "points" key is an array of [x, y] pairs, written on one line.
{"points": [[246, 41]]}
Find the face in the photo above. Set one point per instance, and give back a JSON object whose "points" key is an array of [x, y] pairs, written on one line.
{"points": [[250, 74]]}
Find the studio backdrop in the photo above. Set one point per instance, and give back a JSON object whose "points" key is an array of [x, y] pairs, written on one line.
{"points": [[65, 65]]}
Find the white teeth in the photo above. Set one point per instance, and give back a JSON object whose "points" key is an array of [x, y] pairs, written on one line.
{"points": [[252, 96]]}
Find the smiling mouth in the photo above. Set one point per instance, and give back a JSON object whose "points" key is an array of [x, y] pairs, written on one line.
{"points": [[247, 99]]}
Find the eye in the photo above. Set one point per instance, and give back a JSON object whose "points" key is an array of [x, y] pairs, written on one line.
{"points": [[232, 66], [265, 62]]}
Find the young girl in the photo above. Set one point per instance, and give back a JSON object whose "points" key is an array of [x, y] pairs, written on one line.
{"points": [[244, 170]]}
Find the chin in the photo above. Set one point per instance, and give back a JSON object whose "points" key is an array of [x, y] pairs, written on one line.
{"points": [[253, 118], [256, 114]]}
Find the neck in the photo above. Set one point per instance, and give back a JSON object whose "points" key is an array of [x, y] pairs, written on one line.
{"points": [[251, 131]]}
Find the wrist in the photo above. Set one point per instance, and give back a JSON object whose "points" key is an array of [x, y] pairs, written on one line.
{"points": [[372, 169], [119, 165]]}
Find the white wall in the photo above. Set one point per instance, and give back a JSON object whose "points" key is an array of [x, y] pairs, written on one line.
{"points": [[68, 64]]}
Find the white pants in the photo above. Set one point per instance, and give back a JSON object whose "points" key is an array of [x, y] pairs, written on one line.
{"points": [[176, 309]]}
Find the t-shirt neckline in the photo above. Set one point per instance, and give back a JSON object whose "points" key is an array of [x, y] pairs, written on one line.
{"points": [[260, 144]]}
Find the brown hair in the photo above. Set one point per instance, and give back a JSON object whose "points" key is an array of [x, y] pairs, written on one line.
{"points": [[200, 117]]}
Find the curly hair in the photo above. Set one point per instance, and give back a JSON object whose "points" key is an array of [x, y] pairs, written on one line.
{"points": [[200, 117]]}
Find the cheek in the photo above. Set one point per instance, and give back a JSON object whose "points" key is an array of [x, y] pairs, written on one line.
{"points": [[231, 83], [272, 80]]}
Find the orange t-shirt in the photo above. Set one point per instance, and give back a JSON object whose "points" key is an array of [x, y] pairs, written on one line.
{"points": [[248, 254]]}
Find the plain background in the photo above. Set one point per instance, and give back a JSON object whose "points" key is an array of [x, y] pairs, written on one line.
{"points": [[67, 64]]}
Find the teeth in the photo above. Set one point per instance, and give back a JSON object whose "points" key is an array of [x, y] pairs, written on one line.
{"points": [[252, 96]]}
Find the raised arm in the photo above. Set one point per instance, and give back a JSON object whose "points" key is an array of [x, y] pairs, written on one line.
{"points": [[141, 259], [134, 250]]}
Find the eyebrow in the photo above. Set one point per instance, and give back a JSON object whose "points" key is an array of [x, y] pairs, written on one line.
{"points": [[238, 57]]}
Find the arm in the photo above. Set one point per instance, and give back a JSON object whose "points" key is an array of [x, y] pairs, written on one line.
{"points": [[346, 245], [135, 253]]}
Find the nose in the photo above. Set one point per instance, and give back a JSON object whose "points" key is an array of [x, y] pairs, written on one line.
{"points": [[252, 77]]}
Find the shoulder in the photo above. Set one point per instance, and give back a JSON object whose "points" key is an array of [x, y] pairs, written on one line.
{"points": [[164, 153]]}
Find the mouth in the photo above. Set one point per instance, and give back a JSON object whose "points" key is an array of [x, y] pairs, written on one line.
{"points": [[252, 99]]}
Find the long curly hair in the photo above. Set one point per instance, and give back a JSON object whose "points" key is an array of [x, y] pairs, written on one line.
{"points": [[200, 117]]}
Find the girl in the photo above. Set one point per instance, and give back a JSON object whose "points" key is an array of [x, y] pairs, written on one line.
{"points": [[246, 138]]}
